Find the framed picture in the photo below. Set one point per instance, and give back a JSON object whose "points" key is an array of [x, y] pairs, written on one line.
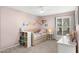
{"points": [[43, 21]]}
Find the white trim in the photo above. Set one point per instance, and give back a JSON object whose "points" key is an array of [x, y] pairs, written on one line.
{"points": [[2, 49]]}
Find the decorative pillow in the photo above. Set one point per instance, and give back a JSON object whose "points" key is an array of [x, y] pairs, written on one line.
{"points": [[73, 35], [36, 30], [43, 31]]}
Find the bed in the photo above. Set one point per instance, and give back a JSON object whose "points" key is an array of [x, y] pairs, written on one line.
{"points": [[39, 36]]}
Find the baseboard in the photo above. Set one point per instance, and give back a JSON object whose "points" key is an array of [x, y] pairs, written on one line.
{"points": [[2, 49]]}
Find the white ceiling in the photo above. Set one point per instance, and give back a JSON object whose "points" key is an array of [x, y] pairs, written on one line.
{"points": [[48, 10]]}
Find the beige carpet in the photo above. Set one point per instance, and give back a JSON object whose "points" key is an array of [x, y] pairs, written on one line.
{"points": [[49, 46]]}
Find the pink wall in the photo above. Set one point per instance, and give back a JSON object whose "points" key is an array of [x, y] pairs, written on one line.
{"points": [[51, 19], [10, 24], [12, 19]]}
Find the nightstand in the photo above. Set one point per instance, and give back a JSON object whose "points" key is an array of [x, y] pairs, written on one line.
{"points": [[50, 36]]}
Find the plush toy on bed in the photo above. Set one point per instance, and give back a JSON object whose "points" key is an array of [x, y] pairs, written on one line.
{"points": [[73, 36]]}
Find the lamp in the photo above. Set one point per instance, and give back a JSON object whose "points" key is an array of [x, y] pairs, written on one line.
{"points": [[50, 30], [50, 33]]}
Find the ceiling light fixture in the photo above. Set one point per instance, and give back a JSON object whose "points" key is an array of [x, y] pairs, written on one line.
{"points": [[41, 9]]}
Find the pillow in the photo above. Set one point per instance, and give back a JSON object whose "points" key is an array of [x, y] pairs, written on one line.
{"points": [[43, 31]]}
